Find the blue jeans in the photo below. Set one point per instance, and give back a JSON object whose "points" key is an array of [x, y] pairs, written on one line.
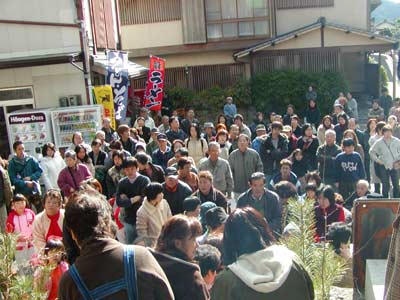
{"points": [[130, 233]]}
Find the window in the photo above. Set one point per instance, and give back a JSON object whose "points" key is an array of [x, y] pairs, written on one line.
{"points": [[288, 4], [229, 19]]}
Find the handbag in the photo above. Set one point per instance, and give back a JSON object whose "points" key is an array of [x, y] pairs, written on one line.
{"points": [[396, 163]]}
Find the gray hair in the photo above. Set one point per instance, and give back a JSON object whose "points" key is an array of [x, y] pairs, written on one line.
{"points": [[70, 154], [330, 131], [213, 145]]}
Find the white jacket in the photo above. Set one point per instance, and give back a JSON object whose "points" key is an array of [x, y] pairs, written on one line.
{"points": [[386, 152], [52, 167], [150, 219], [197, 149], [266, 270]]}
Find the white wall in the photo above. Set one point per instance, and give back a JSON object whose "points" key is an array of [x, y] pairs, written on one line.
{"points": [[49, 82], [32, 40], [347, 12]]}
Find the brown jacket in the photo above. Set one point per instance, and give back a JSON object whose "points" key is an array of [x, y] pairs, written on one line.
{"points": [[101, 261], [185, 277], [6, 187], [392, 281]]}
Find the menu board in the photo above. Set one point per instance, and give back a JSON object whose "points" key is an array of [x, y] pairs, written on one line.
{"points": [[28, 128], [67, 122]]}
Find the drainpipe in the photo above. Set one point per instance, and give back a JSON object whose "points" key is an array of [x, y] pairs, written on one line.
{"points": [[80, 10]]}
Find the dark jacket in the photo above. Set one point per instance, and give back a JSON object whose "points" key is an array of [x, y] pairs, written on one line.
{"points": [[131, 190], [145, 134], [214, 196], [129, 145], [326, 156], [101, 261], [185, 277], [334, 213], [268, 206], [18, 169], [161, 159], [176, 135], [100, 158], [339, 129], [349, 167], [157, 174], [271, 156], [111, 134], [175, 198], [312, 116], [299, 168], [309, 151]]}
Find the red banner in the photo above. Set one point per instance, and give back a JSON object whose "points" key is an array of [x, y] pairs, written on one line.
{"points": [[155, 84]]}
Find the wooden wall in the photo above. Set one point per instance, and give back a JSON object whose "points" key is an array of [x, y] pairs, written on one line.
{"points": [[149, 11]]}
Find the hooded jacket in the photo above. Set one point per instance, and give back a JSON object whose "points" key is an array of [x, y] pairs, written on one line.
{"points": [[270, 274]]}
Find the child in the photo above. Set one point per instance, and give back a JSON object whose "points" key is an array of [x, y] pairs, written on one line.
{"points": [[349, 169], [299, 166], [55, 260], [20, 221]]}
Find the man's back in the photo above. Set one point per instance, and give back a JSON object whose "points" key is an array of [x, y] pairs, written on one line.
{"points": [[101, 262]]}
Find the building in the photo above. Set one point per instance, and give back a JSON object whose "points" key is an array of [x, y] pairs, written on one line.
{"points": [[208, 42]]}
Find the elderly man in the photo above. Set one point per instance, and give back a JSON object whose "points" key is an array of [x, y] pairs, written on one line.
{"points": [[326, 155], [244, 162], [219, 168], [110, 133], [386, 153], [106, 269], [163, 154], [243, 128], [263, 200]]}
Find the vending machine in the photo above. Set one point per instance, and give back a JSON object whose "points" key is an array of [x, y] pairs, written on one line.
{"points": [[67, 120], [32, 127]]}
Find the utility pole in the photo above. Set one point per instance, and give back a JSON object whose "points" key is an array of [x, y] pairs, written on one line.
{"points": [[80, 9]]}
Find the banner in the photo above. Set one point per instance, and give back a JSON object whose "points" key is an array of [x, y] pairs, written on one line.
{"points": [[104, 96], [155, 84], [118, 79]]}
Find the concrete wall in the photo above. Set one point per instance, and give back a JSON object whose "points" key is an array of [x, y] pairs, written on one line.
{"points": [[151, 35], [32, 40], [347, 12], [49, 82]]}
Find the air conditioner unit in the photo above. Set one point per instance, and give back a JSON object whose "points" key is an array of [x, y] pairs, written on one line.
{"points": [[74, 100]]}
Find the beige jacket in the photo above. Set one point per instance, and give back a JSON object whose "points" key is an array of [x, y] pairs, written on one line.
{"points": [[150, 219], [41, 226], [197, 149]]}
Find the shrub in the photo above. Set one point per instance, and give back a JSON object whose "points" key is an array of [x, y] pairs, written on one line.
{"points": [[274, 91]]}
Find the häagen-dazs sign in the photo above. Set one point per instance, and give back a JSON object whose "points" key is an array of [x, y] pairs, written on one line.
{"points": [[27, 118]]}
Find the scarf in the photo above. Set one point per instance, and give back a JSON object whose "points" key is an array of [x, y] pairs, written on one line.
{"points": [[54, 228]]}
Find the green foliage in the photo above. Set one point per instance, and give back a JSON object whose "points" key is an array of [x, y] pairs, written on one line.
{"points": [[320, 261], [13, 285], [274, 91], [384, 77]]}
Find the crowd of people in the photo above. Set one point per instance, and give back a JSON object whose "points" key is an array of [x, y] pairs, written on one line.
{"points": [[204, 199]]}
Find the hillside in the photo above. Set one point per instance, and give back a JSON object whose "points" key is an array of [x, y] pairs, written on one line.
{"points": [[387, 10]]}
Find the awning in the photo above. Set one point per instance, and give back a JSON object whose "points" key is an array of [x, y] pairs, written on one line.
{"points": [[321, 23], [100, 65], [39, 60]]}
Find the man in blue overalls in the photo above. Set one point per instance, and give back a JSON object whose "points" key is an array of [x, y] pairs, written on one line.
{"points": [[107, 269]]}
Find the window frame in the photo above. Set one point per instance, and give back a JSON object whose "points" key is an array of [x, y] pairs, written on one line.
{"points": [[237, 22]]}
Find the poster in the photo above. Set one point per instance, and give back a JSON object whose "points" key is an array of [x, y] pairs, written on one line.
{"points": [[118, 79], [155, 84], [104, 96]]}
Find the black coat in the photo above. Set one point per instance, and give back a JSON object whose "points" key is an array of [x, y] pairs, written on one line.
{"points": [[272, 156], [309, 152]]}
